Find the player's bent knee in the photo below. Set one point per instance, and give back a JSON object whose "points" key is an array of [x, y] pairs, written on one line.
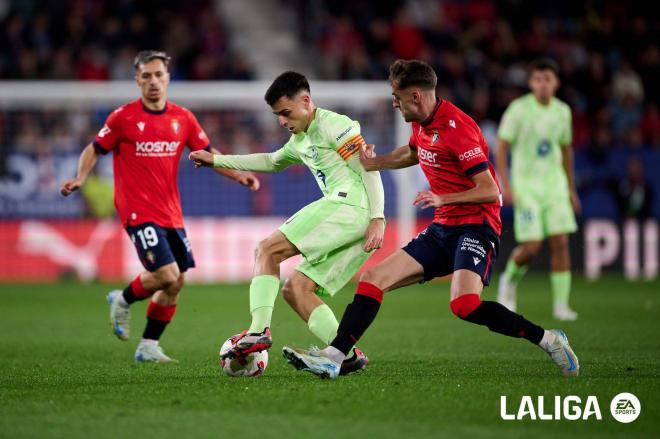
{"points": [[464, 305], [169, 277]]}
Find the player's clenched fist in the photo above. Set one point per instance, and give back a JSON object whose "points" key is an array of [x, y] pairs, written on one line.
{"points": [[201, 158], [70, 186]]}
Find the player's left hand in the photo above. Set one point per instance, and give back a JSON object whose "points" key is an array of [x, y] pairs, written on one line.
{"points": [[374, 234], [428, 199], [248, 180], [575, 202], [201, 158]]}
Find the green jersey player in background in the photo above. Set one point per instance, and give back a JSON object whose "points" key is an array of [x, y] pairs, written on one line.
{"points": [[334, 234], [536, 128]]}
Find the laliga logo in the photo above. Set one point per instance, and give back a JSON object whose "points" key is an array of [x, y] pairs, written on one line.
{"points": [[625, 408], [569, 408]]}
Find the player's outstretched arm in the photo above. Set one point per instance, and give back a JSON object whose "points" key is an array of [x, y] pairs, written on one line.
{"points": [[86, 162], [485, 190], [247, 179], [264, 162], [402, 157]]}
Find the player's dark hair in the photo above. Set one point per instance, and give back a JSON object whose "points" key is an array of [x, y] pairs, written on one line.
{"points": [[144, 56], [287, 84], [409, 73], [544, 64]]}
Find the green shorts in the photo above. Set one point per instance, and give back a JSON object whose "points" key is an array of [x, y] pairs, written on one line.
{"points": [[535, 219], [329, 234]]}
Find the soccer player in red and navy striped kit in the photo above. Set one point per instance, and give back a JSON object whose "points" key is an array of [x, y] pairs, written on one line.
{"points": [[147, 137], [462, 240]]}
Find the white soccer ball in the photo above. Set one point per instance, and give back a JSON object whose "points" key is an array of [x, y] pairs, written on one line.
{"points": [[252, 366]]}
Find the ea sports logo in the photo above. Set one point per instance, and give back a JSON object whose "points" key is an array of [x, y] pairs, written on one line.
{"points": [[625, 407]]}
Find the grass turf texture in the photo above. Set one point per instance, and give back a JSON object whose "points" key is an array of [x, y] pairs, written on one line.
{"points": [[64, 375]]}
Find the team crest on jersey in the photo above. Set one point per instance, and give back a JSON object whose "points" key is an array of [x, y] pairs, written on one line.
{"points": [[140, 125], [176, 126], [315, 152], [435, 138], [151, 257]]}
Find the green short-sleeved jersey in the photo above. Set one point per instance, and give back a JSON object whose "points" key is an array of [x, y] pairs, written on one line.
{"points": [[536, 134], [330, 140]]}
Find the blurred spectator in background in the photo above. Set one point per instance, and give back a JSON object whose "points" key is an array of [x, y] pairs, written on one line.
{"points": [[633, 194]]}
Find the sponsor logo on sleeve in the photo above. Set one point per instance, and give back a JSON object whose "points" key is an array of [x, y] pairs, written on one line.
{"points": [[343, 133], [104, 131], [471, 154]]}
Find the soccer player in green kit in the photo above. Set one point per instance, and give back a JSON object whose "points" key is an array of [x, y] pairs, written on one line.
{"points": [[335, 234], [536, 128]]}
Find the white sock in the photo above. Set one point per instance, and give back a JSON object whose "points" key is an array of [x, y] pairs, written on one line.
{"points": [[334, 354], [148, 341], [547, 340], [122, 302]]}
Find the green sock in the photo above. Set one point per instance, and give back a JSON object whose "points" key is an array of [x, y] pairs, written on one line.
{"points": [[323, 323], [561, 287], [263, 292], [514, 272]]}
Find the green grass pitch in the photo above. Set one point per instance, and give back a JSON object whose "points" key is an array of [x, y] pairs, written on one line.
{"points": [[62, 373]]}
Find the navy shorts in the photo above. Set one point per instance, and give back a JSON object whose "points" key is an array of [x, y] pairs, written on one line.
{"points": [[441, 250], [157, 246]]}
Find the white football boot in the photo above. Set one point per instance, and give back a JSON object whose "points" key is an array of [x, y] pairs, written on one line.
{"points": [[562, 355], [119, 315], [564, 313], [311, 361], [151, 352]]}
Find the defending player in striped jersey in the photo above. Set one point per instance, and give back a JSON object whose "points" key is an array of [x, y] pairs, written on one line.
{"points": [[462, 240], [147, 137], [335, 234], [537, 129]]}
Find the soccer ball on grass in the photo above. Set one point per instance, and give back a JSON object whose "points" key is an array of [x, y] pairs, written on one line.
{"points": [[252, 365]]}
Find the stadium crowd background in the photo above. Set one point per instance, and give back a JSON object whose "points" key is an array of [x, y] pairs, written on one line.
{"points": [[607, 51]]}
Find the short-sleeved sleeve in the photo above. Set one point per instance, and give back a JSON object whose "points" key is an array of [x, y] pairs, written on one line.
{"points": [[344, 135], [412, 142], [566, 137], [197, 138], [509, 125], [467, 147], [109, 135]]}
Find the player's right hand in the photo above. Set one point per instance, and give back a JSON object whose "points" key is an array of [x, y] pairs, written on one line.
{"points": [[367, 157], [70, 186], [201, 158]]}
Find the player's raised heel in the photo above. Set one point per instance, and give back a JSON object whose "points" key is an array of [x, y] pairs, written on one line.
{"points": [[149, 352], [119, 316], [248, 343], [562, 354], [355, 363], [311, 361]]}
